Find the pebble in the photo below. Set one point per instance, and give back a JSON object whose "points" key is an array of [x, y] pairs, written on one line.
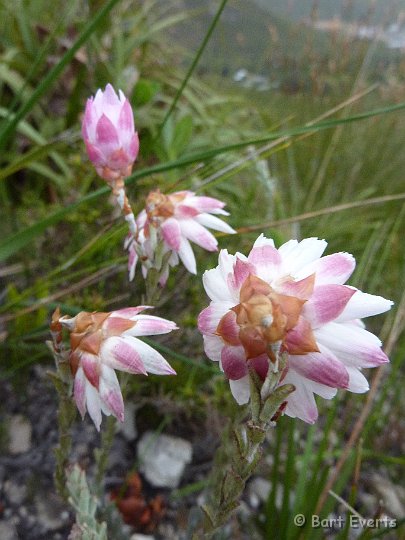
{"points": [[51, 512], [8, 531], [15, 493], [163, 458], [19, 432], [393, 496]]}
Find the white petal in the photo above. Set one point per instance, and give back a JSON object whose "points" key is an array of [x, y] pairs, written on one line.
{"points": [[122, 353], [216, 280], [149, 325], [192, 230], [129, 312], [187, 256], [301, 403], [212, 222], [152, 360], [93, 404], [353, 345], [79, 391], [267, 261], [335, 268], [110, 392], [213, 346], [357, 381], [209, 317], [322, 390], [173, 259], [364, 305], [263, 241], [241, 390], [295, 254]]}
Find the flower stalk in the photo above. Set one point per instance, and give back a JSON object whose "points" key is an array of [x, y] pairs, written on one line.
{"points": [[66, 415], [101, 454], [266, 400], [118, 190]]}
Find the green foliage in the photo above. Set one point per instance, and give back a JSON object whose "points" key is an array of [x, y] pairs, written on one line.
{"points": [[85, 505]]}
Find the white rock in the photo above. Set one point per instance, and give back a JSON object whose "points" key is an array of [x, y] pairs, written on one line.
{"points": [[142, 537], [163, 458], [19, 432]]}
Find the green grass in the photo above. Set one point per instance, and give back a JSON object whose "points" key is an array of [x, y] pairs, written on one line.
{"points": [[287, 165]]}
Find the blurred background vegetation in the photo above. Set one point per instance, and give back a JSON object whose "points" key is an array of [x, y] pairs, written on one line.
{"points": [[269, 67]]}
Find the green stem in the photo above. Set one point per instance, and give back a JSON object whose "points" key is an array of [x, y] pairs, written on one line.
{"points": [[66, 416], [101, 454], [246, 448], [152, 287]]}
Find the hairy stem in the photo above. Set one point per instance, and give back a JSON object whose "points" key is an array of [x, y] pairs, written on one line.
{"points": [[243, 456], [101, 454]]}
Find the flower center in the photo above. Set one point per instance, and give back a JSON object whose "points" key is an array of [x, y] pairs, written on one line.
{"points": [[263, 319], [158, 207], [87, 333]]}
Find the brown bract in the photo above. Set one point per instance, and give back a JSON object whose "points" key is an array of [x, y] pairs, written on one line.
{"points": [[158, 207], [89, 332], [112, 175], [264, 317]]}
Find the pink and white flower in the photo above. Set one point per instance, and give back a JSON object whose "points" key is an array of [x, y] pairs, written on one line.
{"points": [[294, 300], [109, 134], [103, 342], [166, 227]]}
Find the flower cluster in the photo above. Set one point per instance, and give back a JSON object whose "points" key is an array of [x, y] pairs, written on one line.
{"points": [[290, 300], [103, 342], [167, 225]]}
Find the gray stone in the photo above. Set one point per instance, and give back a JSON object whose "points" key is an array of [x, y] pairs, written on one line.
{"points": [[15, 493], [163, 458], [8, 531], [393, 496], [51, 512], [19, 433], [142, 537]]}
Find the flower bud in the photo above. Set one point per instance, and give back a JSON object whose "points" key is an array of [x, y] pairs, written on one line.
{"points": [[109, 134]]}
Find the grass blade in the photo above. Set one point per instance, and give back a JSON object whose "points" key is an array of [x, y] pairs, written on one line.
{"points": [[20, 239]]}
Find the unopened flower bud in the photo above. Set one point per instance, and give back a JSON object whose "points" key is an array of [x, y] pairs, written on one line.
{"points": [[109, 134]]}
